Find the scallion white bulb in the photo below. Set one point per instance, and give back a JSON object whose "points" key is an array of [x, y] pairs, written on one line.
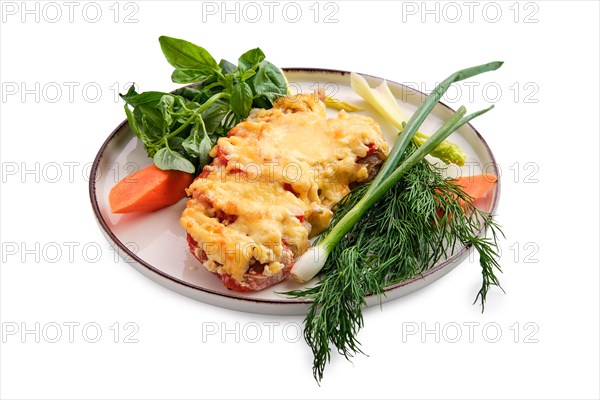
{"points": [[309, 264]]}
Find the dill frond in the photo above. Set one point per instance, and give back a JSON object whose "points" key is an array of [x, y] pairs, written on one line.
{"points": [[424, 218]]}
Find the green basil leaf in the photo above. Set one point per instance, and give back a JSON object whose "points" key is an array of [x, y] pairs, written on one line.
{"points": [[193, 95], [166, 159], [262, 102], [149, 98], [140, 127], [182, 104], [229, 121], [182, 54], [176, 145], [188, 93], [191, 75], [247, 74], [133, 124], [199, 148], [241, 99], [153, 131], [228, 84], [131, 93], [149, 119], [250, 59], [153, 117], [191, 144], [166, 106], [227, 67], [203, 150], [268, 84], [214, 114]]}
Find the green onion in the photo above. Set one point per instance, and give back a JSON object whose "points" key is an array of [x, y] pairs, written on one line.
{"points": [[311, 263], [421, 113]]}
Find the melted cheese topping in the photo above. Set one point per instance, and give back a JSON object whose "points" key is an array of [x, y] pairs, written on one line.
{"points": [[274, 181]]}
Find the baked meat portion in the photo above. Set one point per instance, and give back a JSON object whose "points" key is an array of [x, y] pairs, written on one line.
{"points": [[271, 187]]}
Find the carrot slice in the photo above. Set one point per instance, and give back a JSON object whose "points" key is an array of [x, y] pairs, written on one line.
{"points": [[148, 189], [477, 186]]}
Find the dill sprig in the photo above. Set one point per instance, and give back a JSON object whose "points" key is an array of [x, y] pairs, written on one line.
{"points": [[423, 218], [410, 218]]}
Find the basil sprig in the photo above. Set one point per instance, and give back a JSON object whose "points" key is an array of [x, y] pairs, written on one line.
{"points": [[178, 129]]}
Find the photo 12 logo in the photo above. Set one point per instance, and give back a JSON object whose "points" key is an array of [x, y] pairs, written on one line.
{"points": [[73, 252], [251, 332], [270, 12], [470, 11], [490, 92], [469, 332], [65, 172], [52, 12], [62, 92], [69, 332]]}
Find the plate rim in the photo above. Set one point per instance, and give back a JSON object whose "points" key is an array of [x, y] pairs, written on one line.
{"points": [[309, 70]]}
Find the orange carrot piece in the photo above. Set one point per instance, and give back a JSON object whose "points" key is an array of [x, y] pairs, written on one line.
{"points": [[148, 189], [477, 186]]}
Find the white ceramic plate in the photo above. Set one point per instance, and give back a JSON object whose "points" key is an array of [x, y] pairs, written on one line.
{"points": [[156, 245]]}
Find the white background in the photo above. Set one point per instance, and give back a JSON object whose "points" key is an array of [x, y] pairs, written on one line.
{"points": [[546, 115]]}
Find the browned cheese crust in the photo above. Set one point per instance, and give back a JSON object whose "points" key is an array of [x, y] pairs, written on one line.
{"points": [[271, 187]]}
